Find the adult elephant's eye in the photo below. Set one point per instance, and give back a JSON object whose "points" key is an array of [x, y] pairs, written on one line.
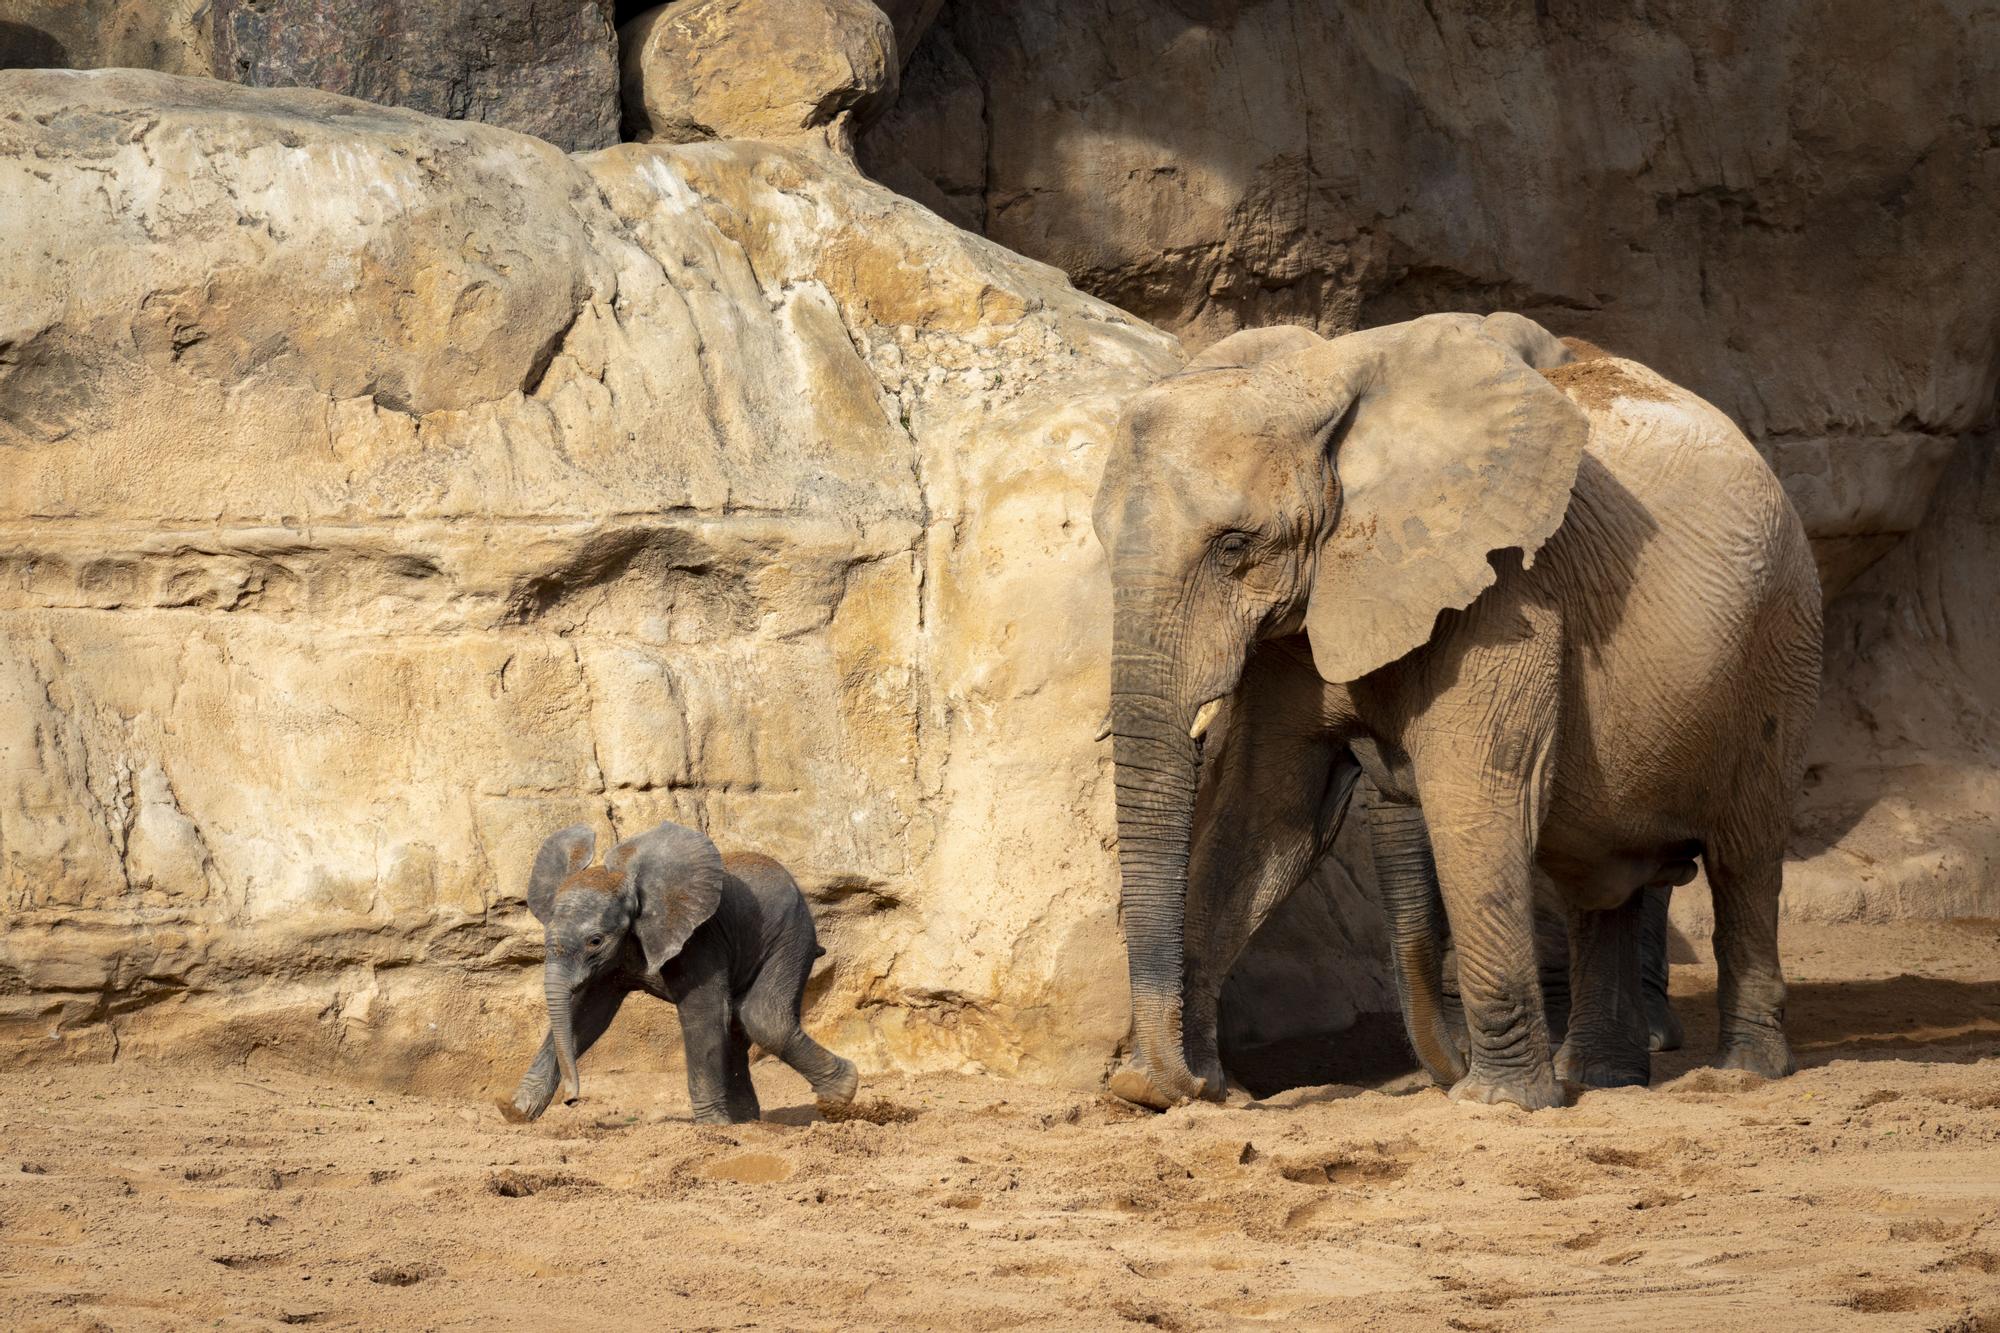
{"points": [[1232, 545]]}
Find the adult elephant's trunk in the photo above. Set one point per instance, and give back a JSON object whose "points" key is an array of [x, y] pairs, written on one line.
{"points": [[557, 987], [1157, 770], [1407, 878]]}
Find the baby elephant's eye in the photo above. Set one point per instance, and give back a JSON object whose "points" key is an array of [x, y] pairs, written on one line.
{"points": [[596, 941]]}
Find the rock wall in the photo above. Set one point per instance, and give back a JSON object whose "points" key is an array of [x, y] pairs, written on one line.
{"points": [[1781, 206], [1902, 813], [383, 492], [544, 67], [1785, 207]]}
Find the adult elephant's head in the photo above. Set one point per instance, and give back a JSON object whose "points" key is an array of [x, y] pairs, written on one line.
{"points": [[1348, 489]]}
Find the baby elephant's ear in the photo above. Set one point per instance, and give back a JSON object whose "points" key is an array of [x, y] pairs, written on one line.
{"points": [[561, 856], [672, 882]]}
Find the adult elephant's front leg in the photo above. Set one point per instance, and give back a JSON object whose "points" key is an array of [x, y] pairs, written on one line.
{"points": [[1483, 749], [1483, 862], [1269, 809]]}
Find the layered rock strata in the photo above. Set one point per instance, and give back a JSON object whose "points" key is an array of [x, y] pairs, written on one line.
{"points": [[384, 492]]}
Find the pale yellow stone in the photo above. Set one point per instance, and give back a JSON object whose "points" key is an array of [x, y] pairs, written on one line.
{"points": [[757, 69]]}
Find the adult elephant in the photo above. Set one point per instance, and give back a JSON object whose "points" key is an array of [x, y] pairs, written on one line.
{"points": [[1556, 609]]}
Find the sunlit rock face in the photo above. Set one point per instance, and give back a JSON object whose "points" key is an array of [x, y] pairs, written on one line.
{"points": [[379, 493], [383, 493]]}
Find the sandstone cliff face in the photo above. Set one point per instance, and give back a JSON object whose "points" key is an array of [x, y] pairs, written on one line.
{"points": [[380, 493], [544, 67], [1780, 206], [1784, 207], [383, 493]]}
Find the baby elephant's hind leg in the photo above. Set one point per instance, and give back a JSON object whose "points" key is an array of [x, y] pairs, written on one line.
{"points": [[770, 1013]]}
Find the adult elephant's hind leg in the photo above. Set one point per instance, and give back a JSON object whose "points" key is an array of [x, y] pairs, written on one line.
{"points": [[1552, 959], [1608, 1044], [1749, 983], [1663, 1027]]}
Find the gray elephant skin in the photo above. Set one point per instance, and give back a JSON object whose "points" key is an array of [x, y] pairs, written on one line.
{"points": [[729, 940], [1556, 609]]}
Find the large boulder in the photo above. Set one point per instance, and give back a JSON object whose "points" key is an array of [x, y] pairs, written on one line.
{"points": [[385, 492], [545, 67], [758, 69]]}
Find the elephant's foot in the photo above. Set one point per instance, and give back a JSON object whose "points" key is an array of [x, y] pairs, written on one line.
{"points": [[1663, 1028], [1133, 1082], [1601, 1069], [530, 1099], [1535, 1090], [838, 1091], [1763, 1052], [716, 1115]]}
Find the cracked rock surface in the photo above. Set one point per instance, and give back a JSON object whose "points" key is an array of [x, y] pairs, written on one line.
{"points": [[382, 493], [1784, 207]]}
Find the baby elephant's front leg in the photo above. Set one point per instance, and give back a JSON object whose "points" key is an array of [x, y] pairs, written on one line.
{"points": [[718, 1070], [595, 1009]]}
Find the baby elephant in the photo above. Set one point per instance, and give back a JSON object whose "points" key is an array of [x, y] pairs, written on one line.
{"points": [[728, 939]]}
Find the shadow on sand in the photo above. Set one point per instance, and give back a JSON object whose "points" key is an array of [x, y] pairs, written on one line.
{"points": [[1890, 1018]]}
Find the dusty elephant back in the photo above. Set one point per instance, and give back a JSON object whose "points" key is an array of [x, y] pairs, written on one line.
{"points": [[770, 898], [1690, 602]]}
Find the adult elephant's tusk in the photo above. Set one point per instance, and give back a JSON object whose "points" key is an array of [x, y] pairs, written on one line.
{"points": [[1204, 718], [1104, 727]]}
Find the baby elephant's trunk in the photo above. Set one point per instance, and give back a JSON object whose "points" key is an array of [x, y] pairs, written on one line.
{"points": [[563, 1030]]}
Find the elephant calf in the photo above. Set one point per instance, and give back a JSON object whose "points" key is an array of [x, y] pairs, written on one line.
{"points": [[728, 939]]}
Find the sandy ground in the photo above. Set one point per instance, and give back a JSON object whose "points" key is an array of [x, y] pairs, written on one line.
{"points": [[1863, 1192]]}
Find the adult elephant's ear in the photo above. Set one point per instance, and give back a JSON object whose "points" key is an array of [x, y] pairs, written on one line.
{"points": [[672, 880], [1448, 446], [565, 853]]}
